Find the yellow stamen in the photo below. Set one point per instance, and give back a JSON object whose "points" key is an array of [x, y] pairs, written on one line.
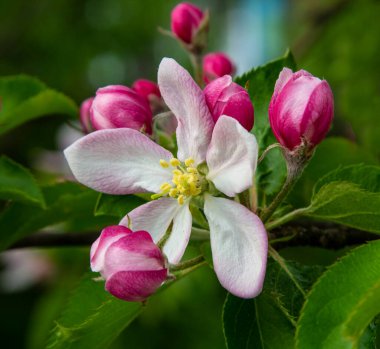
{"points": [[181, 199], [189, 162], [173, 192], [164, 163], [192, 170], [175, 162]]}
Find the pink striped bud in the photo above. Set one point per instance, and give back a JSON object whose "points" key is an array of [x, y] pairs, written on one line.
{"points": [[216, 65], [224, 97], [85, 114], [301, 109], [132, 265], [185, 21], [117, 106]]}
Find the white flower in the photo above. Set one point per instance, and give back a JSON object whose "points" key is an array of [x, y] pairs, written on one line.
{"points": [[124, 161]]}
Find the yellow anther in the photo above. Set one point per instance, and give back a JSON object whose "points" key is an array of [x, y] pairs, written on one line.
{"points": [[189, 161], [181, 199], [165, 187], [175, 162], [173, 192], [164, 163], [177, 172], [192, 170]]}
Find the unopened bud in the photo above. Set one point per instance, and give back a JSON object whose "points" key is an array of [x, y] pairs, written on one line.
{"points": [[216, 65], [85, 116], [224, 97], [130, 262], [186, 20], [301, 109], [117, 106]]}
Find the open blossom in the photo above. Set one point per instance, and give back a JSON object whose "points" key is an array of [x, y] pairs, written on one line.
{"points": [[118, 106], [124, 161], [216, 65], [225, 97], [132, 265], [301, 109]]}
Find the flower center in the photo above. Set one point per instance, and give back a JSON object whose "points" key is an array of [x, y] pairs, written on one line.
{"points": [[186, 181]]}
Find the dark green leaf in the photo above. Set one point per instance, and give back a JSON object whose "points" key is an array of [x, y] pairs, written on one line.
{"points": [[117, 205], [92, 318], [24, 98], [332, 153], [343, 302], [256, 323], [18, 184], [67, 203], [268, 321], [349, 196]]}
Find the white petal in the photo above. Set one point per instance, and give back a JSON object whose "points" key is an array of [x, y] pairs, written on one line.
{"points": [[186, 100], [175, 246], [118, 161], [239, 246], [153, 217], [231, 157]]}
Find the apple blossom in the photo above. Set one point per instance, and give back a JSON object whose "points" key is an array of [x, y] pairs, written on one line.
{"points": [[224, 97], [132, 265], [84, 114], [301, 109], [216, 65], [213, 159], [118, 106], [185, 21]]}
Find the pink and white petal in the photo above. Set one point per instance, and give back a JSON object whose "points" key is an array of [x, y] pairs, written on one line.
{"points": [[135, 286], [176, 245], [118, 161], [107, 237], [239, 246], [153, 217], [231, 157], [133, 252], [186, 100]]}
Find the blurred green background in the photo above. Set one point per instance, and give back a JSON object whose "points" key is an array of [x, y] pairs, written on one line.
{"points": [[78, 46]]}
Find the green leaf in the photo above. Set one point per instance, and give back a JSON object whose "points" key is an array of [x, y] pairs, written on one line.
{"points": [[92, 318], [18, 184], [343, 302], [260, 82], [24, 98], [256, 323], [349, 196], [67, 203], [117, 205], [268, 321], [332, 153]]}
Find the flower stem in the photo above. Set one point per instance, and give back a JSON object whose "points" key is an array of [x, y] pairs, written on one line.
{"points": [[285, 219], [295, 165], [196, 61], [190, 263], [267, 150]]}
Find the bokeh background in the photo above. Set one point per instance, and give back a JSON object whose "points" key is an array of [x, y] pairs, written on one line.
{"points": [[77, 46]]}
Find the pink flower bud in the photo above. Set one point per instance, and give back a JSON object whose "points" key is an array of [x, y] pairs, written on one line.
{"points": [[185, 22], [84, 114], [301, 109], [132, 265], [216, 65], [117, 106], [146, 88], [224, 97]]}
